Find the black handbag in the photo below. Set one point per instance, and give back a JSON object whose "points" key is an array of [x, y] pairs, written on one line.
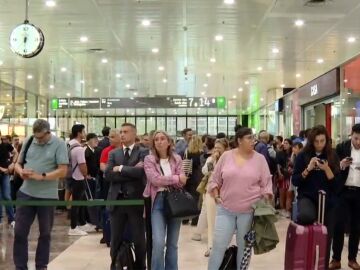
{"points": [[180, 204], [125, 257], [229, 261]]}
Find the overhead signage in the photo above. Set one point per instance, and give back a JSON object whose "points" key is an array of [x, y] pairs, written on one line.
{"points": [[314, 90], [139, 102]]}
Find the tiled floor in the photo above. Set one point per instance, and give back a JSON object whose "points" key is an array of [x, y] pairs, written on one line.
{"points": [[85, 253]]}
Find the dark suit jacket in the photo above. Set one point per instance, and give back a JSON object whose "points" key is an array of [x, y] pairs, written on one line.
{"points": [[131, 180], [343, 150]]}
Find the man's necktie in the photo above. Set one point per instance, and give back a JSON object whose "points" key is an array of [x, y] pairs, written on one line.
{"points": [[126, 156]]}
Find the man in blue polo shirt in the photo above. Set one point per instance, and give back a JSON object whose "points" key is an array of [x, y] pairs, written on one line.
{"points": [[45, 162]]}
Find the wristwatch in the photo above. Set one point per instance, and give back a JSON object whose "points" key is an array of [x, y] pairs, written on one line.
{"points": [[43, 175]]}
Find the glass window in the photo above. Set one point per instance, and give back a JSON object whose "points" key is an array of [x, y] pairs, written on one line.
{"points": [[96, 124], [119, 121], [110, 122], [212, 125], [231, 125], [192, 124], [140, 125], [31, 106], [131, 120], [42, 107], [181, 124], [202, 125], [150, 124], [171, 125], [222, 124], [161, 123]]}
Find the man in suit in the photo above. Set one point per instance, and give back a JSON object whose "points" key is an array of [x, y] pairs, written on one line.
{"points": [[125, 172], [349, 200]]}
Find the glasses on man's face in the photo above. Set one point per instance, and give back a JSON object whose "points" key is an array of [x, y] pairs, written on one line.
{"points": [[250, 137]]}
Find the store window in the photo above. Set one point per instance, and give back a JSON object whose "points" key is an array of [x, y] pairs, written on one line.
{"points": [[96, 125], [119, 121], [150, 124], [191, 123], [110, 122], [131, 120], [171, 125], [212, 126], [140, 125], [161, 123], [231, 125], [181, 124], [202, 125], [222, 124]]}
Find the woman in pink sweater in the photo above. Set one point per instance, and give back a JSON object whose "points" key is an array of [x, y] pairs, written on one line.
{"points": [[163, 169], [240, 178]]}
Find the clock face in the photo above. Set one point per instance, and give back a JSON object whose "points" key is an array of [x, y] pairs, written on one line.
{"points": [[26, 40]]}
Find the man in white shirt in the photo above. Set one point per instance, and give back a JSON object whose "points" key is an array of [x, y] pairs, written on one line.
{"points": [[349, 200]]}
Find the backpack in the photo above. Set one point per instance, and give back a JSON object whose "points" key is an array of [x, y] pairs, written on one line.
{"points": [[70, 169]]}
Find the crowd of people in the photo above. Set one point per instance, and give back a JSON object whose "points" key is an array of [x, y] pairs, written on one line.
{"points": [[227, 176]]}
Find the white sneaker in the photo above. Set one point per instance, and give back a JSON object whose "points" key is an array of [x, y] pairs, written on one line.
{"points": [[87, 228], [12, 225], [76, 232]]}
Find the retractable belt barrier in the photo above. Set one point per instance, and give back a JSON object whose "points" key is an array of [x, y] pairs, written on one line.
{"points": [[72, 203]]}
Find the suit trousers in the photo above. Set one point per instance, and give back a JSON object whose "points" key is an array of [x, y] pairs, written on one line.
{"points": [[120, 217]]}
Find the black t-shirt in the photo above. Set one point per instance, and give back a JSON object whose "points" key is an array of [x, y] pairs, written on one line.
{"points": [[5, 150]]}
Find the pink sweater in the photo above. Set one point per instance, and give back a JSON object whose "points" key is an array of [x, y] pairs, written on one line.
{"points": [[156, 180], [241, 186]]}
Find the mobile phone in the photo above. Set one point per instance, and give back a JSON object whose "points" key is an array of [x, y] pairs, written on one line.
{"points": [[349, 159], [322, 161]]}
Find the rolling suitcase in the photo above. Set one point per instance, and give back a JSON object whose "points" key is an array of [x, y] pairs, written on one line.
{"points": [[306, 246], [93, 211]]}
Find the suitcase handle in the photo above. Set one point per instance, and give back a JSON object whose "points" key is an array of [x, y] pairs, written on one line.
{"points": [[317, 257], [321, 209]]}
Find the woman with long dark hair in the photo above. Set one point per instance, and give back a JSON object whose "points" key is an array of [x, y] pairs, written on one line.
{"points": [[317, 168]]}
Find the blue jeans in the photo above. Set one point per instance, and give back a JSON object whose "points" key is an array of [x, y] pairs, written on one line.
{"points": [[5, 194], [164, 228], [226, 224]]}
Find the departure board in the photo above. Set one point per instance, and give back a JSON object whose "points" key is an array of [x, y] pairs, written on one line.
{"points": [[138, 102]]}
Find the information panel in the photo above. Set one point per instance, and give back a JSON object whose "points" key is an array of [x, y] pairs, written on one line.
{"points": [[139, 102]]}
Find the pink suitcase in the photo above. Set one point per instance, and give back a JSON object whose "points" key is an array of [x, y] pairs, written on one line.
{"points": [[306, 245]]}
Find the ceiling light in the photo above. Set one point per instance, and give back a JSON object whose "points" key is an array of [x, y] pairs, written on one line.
{"points": [[155, 50], [1, 63], [127, 86], [212, 60], [145, 23], [96, 90], [208, 75], [247, 82], [161, 68], [104, 61], [203, 93], [234, 96], [68, 94], [51, 86], [261, 99], [132, 113], [219, 38], [135, 93], [240, 89], [29, 76], [8, 95], [164, 80], [205, 85], [229, 2], [282, 86], [50, 3], [275, 50], [351, 39], [299, 23], [118, 75], [320, 61], [84, 39], [63, 69], [82, 81], [259, 68], [298, 75], [107, 112], [345, 81]]}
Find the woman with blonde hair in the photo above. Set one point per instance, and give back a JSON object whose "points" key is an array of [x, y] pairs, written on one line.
{"points": [[163, 169]]}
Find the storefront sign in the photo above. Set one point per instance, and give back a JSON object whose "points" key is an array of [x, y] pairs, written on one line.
{"points": [[323, 86]]}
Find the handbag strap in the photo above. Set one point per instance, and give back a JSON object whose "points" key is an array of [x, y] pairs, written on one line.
{"points": [[27, 146]]}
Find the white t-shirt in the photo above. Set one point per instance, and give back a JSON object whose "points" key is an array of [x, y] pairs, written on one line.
{"points": [[166, 170], [354, 169]]}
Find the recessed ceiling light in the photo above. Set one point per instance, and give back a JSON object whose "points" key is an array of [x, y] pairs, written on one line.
{"points": [[161, 68], [68, 94], [63, 69], [127, 86], [320, 61], [51, 86], [259, 68], [135, 93], [282, 86], [234, 96], [240, 89], [298, 75], [145, 22], [208, 75], [219, 38], [203, 93], [212, 60], [261, 99], [155, 50], [132, 113], [118, 75], [104, 61], [8, 95], [50, 3], [82, 81], [275, 50], [205, 85], [96, 90], [29, 76], [247, 82], [107, 112], [84, 39], [164, 80], [229, 2], [299, 23], [351, 39]]}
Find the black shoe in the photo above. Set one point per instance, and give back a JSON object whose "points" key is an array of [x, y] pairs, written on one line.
{"points": [[185, 222], [102, 241]]}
